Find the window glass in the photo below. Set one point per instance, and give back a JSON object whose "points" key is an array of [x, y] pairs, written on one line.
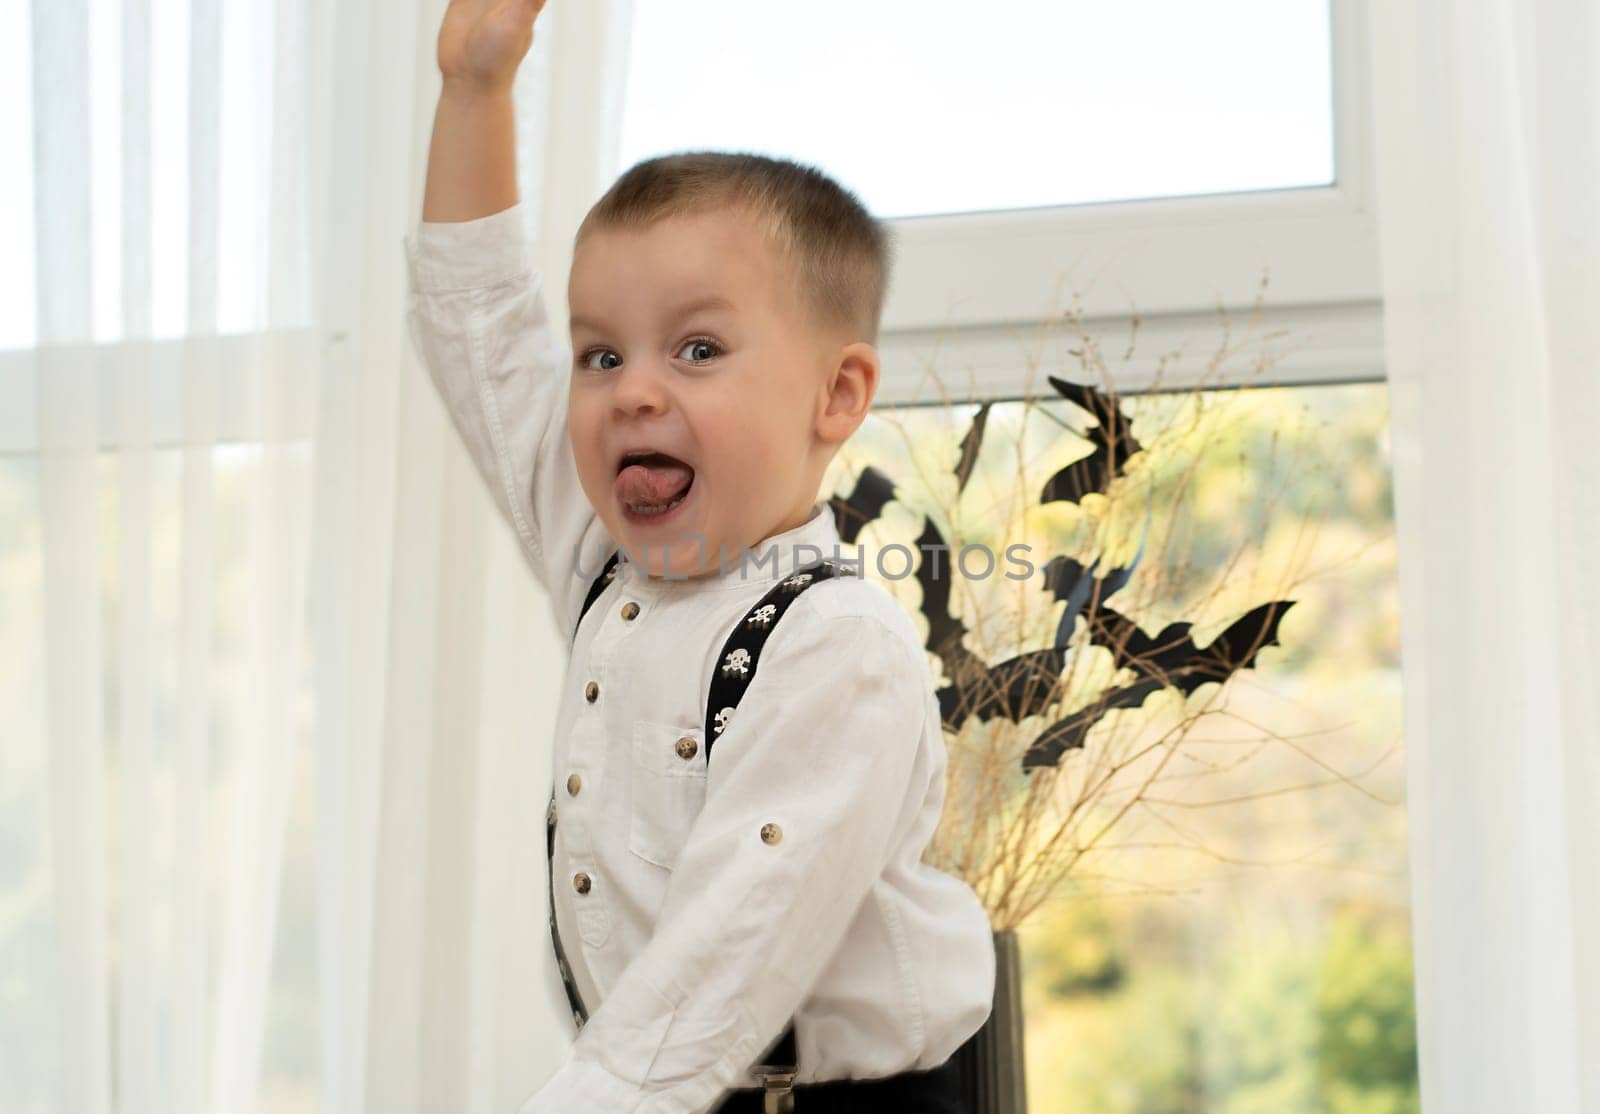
{"points": [[951, 108]]}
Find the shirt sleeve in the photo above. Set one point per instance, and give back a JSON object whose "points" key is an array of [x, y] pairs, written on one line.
{"points": [[823, 745], [478, 320]]}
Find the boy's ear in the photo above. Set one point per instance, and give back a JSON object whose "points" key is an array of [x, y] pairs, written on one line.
{"points": [[848, 392]]}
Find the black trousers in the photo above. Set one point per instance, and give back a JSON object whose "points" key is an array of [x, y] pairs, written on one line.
{"points": [[913, 1092]]}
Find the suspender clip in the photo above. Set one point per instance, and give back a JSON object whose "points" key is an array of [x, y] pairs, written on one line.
{"points": [[777, 1091]]}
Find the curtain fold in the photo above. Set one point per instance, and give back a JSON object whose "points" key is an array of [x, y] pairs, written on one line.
{"points": [[1488, 156], [273, 771]]}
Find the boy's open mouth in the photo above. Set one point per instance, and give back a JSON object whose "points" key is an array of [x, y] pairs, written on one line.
{"points": [[651, 483]]}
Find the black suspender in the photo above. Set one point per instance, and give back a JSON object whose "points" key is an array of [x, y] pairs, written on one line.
{"points": [[740, 653], [736, 666], [580, 1015], [602, 581]]}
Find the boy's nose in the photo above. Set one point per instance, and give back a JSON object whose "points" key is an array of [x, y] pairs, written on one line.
{"points": [[638, 389]]}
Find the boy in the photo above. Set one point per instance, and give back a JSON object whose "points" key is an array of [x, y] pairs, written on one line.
{"points": [[772, 906]]}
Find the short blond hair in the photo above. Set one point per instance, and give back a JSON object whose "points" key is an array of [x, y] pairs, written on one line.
{"points": [[840, 253]]}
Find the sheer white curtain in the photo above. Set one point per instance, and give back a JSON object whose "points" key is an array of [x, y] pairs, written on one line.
{"points": [[274, 689], [1488, 119]]}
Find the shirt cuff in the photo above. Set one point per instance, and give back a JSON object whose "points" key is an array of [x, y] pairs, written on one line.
{"points": [[462, 255], [583, 1087]]}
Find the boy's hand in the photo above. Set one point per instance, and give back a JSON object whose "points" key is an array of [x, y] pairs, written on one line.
{"points": [[482, 42]]}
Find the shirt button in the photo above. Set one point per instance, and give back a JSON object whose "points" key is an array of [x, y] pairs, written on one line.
{"points": [[591, 692], [686, 748], [574, 783], [771, 833], [580, 882], [630, 610]]}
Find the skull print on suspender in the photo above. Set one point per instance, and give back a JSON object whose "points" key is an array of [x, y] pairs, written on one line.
{"points": [[736, 667]]}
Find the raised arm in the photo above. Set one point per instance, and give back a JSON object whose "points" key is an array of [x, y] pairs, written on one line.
{"points": [[477, 312], [472, 158]]}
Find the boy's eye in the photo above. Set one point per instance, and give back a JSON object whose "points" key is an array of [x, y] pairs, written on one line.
{"points": [[608, 360], [699, 350]]}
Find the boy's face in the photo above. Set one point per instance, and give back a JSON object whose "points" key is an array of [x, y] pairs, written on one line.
{"points": [[690, 340]]}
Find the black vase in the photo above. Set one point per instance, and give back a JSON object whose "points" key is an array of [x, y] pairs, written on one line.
{"points": [[990, 1065]]}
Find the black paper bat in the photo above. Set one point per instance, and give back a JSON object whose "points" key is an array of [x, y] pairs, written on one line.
{"points": [[873, 492], [1013, 689], [1113, 442], [1069, 581], [946, 633], [1025, 685], [970, 444], [1168, 660]]}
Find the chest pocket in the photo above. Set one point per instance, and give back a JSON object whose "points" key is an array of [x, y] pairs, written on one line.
{"points": [[668, 788]]}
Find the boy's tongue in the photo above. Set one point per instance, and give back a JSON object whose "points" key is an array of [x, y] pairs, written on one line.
{"points": [[652, 483]]}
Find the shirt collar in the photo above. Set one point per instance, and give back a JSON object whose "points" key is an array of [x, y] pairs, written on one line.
{"points": [[764, 563]]}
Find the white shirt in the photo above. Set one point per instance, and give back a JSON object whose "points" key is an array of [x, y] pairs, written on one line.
{"points": [[697, 941]]}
